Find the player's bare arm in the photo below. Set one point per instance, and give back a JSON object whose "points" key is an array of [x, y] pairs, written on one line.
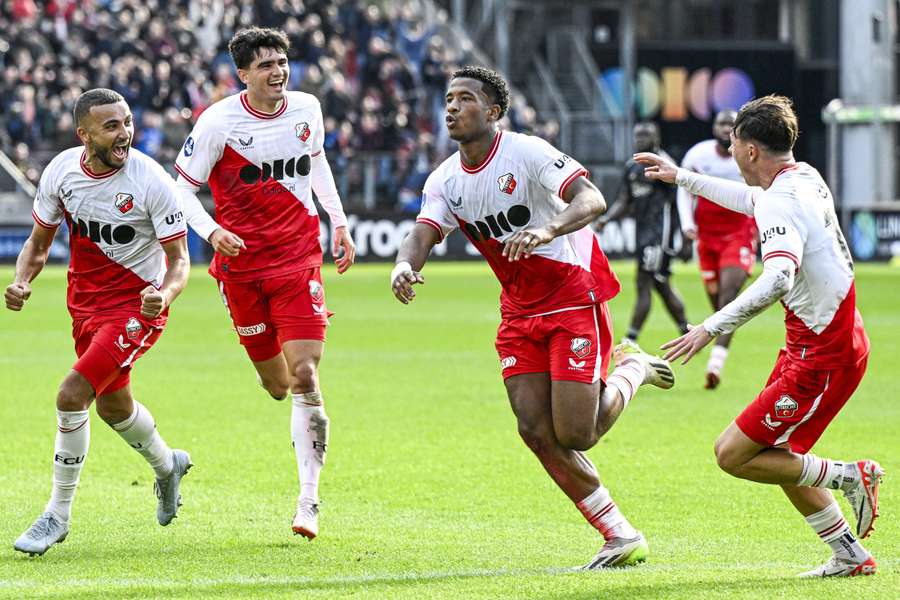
{"points": [[586, 203], [343, 249], [223, 241], [621, 208], [31, 260], [776, 280], [153, 301], [411, 257]]}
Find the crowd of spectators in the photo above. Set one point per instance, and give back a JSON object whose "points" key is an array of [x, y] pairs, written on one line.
{"points": [[379, 68]]}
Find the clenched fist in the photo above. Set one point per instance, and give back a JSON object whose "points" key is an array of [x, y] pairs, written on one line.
{"points": [[16, 295], [153, 302]]}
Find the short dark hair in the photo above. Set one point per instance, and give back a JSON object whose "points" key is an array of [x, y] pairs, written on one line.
{"points": [[769, 120], [246, 43], [92, 98], [493, 84]]}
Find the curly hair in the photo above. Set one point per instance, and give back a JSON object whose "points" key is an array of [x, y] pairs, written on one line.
{"points": [[246, 44], [492, 83]]}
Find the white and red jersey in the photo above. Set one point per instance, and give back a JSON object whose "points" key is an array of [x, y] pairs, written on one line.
{"points": [[258, 169], [117, 222], [519, 185], [710, 219], [796, 220]]}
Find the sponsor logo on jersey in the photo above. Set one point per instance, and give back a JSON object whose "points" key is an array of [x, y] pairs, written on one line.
{"points": [[316, 290], [561, 161], [508, 361], [786, 407], [132, 328], [768, 422], [124, 202], [771, 232], [176, 217], [64, 194], [251, 329], [507, 183], [189, 146], [576, 365], [456, 203], [244, 142], [301, 130], [493, 226], [102, 232], [277, 170], [581, 347]]}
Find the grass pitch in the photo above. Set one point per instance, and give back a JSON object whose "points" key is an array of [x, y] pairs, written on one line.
{"points": [[428, 492]]}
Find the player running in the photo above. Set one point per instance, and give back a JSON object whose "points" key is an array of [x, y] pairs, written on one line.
{"points": [[261, 153], [806, 265], [652, 205], [526, 207], [726, 240], [125, 225]]}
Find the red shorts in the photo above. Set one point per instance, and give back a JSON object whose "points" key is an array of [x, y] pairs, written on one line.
{"points": [[573, 345], [798, 403], [269, 312], [107, 347], [716, 254]]}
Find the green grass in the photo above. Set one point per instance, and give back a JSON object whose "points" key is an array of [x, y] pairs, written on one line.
{"points": [[428, 492]]}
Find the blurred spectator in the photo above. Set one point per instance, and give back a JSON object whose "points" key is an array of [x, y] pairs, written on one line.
{"points": [[377, 67]]}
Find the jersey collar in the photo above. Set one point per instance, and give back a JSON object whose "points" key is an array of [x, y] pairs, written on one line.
{"points": [[87, 171], [487, 158], [259, 114], [792, 167]]}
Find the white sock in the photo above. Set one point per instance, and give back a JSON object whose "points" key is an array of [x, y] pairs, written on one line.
{"points": [[309, 434], [717, 357], [140, 432], [827, 473], [830, 525], [627, 378], [601, 512], [73, 436]]}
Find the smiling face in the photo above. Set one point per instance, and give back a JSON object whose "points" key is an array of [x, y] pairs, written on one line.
{"points": [[470, 112], [267, 76], [106, 131]]}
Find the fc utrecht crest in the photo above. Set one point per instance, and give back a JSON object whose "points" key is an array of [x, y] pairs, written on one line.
{"points": [[316, 290], [301, 130], [132, 328], [581, 347], [124, 202], [507, 183], [785, 407]]}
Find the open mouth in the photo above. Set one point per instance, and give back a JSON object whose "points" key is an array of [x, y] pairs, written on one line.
{"points": [[450, 121], [276, 85], [120, 151]]}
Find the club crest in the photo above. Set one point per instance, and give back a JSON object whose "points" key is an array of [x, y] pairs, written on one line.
{"points": [[316, 290], [581, 347], [301, 130], [132, 328], [124, 202], [786, 407], [507, 183]]}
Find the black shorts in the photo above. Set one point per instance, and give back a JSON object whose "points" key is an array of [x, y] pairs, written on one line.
{"points": [[654, 260]]}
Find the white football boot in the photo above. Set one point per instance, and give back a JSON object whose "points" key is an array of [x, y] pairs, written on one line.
{"points": [[838, 567], [306, 519], [863, 496], [619, 552], [43, 533], [657, 371]]}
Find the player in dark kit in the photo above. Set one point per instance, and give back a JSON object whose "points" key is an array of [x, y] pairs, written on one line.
{"points": [[652, 205]]}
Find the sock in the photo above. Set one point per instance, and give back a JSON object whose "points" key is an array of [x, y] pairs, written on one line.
{"points": [[830, 525], [632, 334], [717, 357], [683, 327], [627, 378], [309, 434], [73, 436], [601, 512], [140, 432], [827, 473]]}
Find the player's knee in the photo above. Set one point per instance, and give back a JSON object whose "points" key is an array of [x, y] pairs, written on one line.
{"points": [[306, 378], [577, 439], [72, 396], [112, 413], [277, 387], [728, 459], [538, 441]]}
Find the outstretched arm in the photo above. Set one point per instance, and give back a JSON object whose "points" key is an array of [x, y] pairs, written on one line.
{"points": [[31, 261], [776, 280], [586, 203], [733, 195], [411, 257]]}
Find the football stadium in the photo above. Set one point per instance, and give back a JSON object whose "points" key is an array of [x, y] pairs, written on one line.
{"points": [[440, 298]]}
